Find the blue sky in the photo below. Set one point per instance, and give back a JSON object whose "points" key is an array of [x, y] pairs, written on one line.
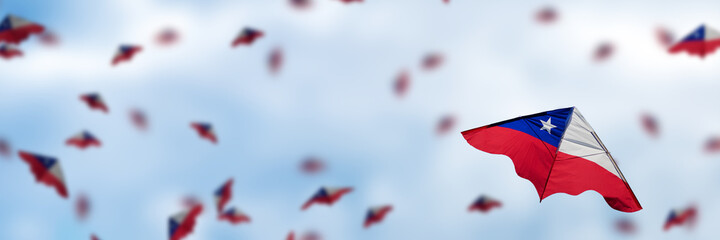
{"points": [[333, 99]]}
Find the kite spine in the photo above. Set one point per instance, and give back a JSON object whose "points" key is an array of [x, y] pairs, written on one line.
{"points": [[567, 125]]}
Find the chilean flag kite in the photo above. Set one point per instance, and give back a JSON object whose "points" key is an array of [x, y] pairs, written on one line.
{"points": [[223, 195], [558, 152], [327, 196], [247, 36], [375, 215], [94, 101], [205, 130], [46, 170], [83, 140], [14, 29], [125, 53], [703, 41], [9, 51], [681, 217], [234, 216], [183, 223], [484, 204]]}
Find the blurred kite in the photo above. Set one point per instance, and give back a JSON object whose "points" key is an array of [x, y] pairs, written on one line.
{"points": [[326, 196], [558, 152], [46, 170], [183, 223], [546, 15], [223, 195], [93, 237], [94, 101], [603, 51], [247, 36], [125, 53], [205, 130], [311, 235], [682, 217], [712, 145], [432, 61], [701, 42], [484, 204], [9, 51], [625, 226], [351, 1], [49, 39], [446, 1], [376, 215], [650, 124], [15, 30], [82, 206], [402, 83], [5, 148], [301, 4], [234, 216], [167, 37], [445, 124], [275, 60], [312, 165], [190, 201], [139, 119], [83, 140], [290, 236], [665, 37]]}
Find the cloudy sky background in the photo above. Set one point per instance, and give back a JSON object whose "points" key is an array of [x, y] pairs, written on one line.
{"points": [[333, 99]]}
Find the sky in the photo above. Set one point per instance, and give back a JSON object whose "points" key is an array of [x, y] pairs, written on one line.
{"points": [[333, 99]]}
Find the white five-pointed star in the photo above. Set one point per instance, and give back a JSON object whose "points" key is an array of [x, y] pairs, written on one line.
{"points": [[547, 125]]}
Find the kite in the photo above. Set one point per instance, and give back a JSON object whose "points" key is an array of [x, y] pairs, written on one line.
{"points": [[484, 204], [546, 15], [402, 83], [205, 130], [82, 207], [49, 39], [664, 37], [15, 30], [650, 125], [603, 51], [223, 195], [183, 223], [125, 53], [83, 140], [94, 101], [351, 1], [247, 36], [275, 60], [558, 152], [712, 145], [678, 217], [701, 42], [290, 236], [327, 196], [4, 148], [301, 4], [312, 165], [445, 124], [139, 119], [93, 237], [46, 170], [9, 51], [376, 215], [625, 226], [432, 61], [167, 37], [234, 216]]}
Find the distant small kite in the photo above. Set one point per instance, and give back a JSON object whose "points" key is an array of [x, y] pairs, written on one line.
{"points": [[49, 39], [94, 101], [351, 1], [376, 215], [9, 52], [247, 36], [223, 195], [665, 37], [678, 217], [312, 165], [484, 204], [603, 51], [701, 42], [712, 145], [290, 236], [82, 206], [234, 216], [275, 60], [83, 140], [401, 84], [93, 237], [167, 37], [205, 130], [139, 119], [546, 15], [301, 4], [650, 124], [432, 61], [5, 148], [326, 196], [183, 223], [15, 30], [625, 226], [46, 170], [445, 124], [125, 53]]}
